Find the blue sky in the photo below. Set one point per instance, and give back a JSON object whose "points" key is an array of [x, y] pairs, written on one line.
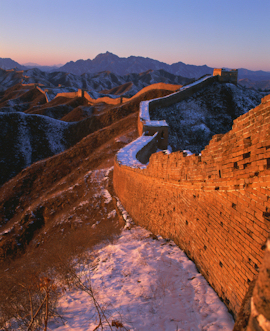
{"points": [[217, 33]]}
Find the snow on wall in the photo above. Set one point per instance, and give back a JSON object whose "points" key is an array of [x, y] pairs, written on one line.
{"points": [[128, 155]]}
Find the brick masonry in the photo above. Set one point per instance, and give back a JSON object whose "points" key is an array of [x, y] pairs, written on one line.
{"points": [[215, 206]]}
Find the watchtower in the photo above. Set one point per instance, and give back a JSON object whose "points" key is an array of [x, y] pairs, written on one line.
{"points": [[226, 76]]}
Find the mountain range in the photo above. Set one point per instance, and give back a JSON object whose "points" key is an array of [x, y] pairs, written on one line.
{"points": [[137, 64], [98, 84]]}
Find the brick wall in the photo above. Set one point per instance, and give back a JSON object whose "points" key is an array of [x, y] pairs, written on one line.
{"points": [[216, 206], [70, 95]]}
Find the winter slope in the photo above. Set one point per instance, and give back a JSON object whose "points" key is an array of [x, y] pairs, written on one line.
{"points": [[193, 121], [146, 283]]}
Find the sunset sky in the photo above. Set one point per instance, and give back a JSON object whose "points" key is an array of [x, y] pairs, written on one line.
{"points": [[218, 33]]}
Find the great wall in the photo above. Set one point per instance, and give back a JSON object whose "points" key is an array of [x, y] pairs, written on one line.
{"points": [[53, 93], [215, 205]]}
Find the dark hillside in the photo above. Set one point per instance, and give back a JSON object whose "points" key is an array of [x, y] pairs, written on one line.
{"points": [[32, 202], [27, 138], [50, 189], [193, 121]]}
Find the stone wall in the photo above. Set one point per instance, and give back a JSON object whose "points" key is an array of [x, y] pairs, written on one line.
{"points": [[70, 95], [226, 76], [147, 150], [137, 153], [216, 206], [43, 92]]}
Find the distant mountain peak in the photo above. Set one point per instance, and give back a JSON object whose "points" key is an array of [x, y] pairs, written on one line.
{"points": [[106, 55], [28, 64], [132, 64], [7, 63]]}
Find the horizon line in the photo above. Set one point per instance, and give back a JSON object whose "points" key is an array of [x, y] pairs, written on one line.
{"points": [[33, 64]]}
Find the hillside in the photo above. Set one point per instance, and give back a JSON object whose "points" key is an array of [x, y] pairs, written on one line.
{"points": [[7, 63], [37, 136], [210, 111], [255, 84], [59, 207], [60, 124]]}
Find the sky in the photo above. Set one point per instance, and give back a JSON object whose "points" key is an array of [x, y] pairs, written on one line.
{"points": [[218, 33]]}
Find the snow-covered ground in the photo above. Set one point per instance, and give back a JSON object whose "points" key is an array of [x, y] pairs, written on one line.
{"points": [[142, 282]]}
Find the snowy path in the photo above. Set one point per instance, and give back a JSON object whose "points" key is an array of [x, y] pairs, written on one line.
{"points": [[146, 284]]}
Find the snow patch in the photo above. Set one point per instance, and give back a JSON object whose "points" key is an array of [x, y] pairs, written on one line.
{"points": [[112, 214], [24, 144], [145, 284], [106, 195], [125, 215]]}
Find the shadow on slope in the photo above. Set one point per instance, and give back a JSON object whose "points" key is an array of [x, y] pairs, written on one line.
{"points": [[21, 98], [51, 249]]}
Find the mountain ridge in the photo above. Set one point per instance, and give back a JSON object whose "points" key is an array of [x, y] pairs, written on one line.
{"points": [[95, 82], [136, 64], [132, 64]]}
